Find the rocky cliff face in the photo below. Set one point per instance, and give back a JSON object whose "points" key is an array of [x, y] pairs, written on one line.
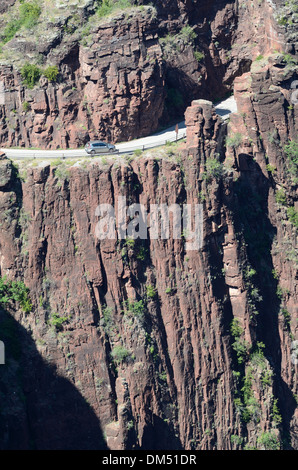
{"points": [[123, 76], [145, 335], [144, 344], [112, 87]]}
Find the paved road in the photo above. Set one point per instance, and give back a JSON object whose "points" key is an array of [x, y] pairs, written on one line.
{"points": [[224, 109]]}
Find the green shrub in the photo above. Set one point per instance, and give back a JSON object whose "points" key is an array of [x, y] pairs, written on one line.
{"points": [[170, 43], [57, 321], [237, 440], [276, 416], [234, 140], [30, 75], [271, 168], [214, 170], [187, 34], [130, 243], [269, 441], [252, 410], [250, 273], [26, 106], [291, 151], [106, 7], [282, 21], [266, 378], [62, 173], [107, 320], [199, 55], [135, 308], [293, 216], [15, 291], [235, 328], [142, 253], [10, 30], [247, 386], [257, 357], [280, 197], [280, 292], [119, 354], [241, 347], [163, 376], [29, 14], [287, 317], [51, 73], [289, 59], [151, 292], [28, 17]]}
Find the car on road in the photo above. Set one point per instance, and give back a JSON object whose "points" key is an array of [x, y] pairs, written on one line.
{"points": [[98, 147]]}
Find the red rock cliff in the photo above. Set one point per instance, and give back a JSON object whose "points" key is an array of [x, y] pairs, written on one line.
{"points": [[146, 330], [125, 76], [144, 344]]}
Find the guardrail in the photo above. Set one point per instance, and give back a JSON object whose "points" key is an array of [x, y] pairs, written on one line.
{"points": [[39, 154], [35, 156], [153, 145]]}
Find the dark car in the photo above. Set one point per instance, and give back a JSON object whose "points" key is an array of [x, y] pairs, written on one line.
{"points": [[98, 147]]}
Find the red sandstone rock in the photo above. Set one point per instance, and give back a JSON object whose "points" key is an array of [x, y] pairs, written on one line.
{"points": [[177, 385]]}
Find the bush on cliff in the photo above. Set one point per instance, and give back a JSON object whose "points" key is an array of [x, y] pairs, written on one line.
{"points": [[234, 140], [119, 354], [10, 31], [280, 197], [134, 308], [15, 291], [269, 441], [51, 73], [171, 44], [291, 151], [240, 346], [29, 14], [214, 170], [30, 74], [28, 17], [57, 322], [292, 214], [106, 7]]}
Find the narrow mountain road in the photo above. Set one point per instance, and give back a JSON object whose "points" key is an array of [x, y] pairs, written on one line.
{"points": [[223, 109]]}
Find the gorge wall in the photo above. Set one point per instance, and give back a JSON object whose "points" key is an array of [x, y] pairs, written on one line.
{"points": [[144, 344], [124, 76]]}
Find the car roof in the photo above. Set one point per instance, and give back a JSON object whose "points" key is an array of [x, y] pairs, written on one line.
{"points": [[97, 142]]}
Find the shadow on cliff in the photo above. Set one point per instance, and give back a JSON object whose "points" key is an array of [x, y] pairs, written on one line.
{"points": [[40, 410], [159, 436], [252, 219]]}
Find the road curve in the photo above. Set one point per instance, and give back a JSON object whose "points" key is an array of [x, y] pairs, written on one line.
{"points": [[223, 109]]}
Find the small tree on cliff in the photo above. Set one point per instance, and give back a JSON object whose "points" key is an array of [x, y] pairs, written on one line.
{"points": [[30, 75]]}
